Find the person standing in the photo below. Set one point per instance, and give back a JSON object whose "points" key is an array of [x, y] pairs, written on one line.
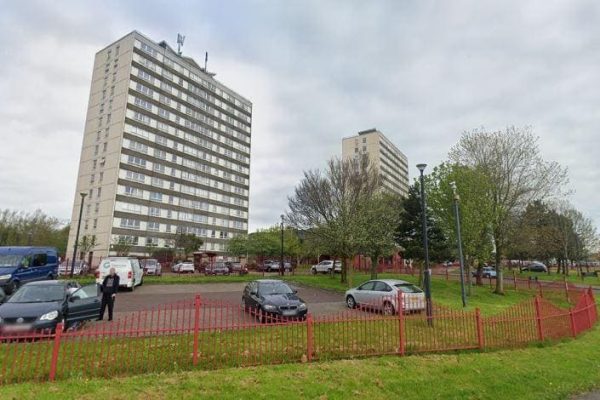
{"points": [[109, 288]]}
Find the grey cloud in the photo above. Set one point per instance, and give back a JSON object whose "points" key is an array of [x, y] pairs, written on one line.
{"points": [[422, 72]]}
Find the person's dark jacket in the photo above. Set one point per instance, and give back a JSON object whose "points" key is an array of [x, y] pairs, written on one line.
{"points": [[110, 290]]}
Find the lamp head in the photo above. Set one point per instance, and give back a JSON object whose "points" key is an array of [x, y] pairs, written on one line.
{"points": [[421, 167], [83, 194]]}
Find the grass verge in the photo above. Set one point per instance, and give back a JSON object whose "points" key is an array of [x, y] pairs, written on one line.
{"points": [[553, 372]]}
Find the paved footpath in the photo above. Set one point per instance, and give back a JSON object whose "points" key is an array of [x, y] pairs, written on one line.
{"points": [[595, 395]]}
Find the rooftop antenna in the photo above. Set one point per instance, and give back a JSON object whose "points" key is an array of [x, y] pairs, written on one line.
{"points": [[205, 61], [180, 40]]}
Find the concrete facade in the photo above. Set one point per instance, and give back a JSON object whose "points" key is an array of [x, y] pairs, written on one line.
{"points": [[166, 149], [383, 154]]}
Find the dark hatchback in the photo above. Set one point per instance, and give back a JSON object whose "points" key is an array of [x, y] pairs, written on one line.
{"points": [[40, 306], [272, 299]]}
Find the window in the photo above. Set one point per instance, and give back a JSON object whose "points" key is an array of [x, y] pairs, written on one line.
{"points": [[135, 176], [154, 211], [94, 164], [39, 260], [367, 286], [92, 178], [137, 146], [155, 196], [160, 154], [97, 208], [104, 147], [136, 161], [158, 182], [364, 140], [161, 140], [131, 191], [382, 287], [163, 113], [95, 225], [151, 241], [142, 118], [145, 76], [148, 49], [144, 89], [158, 168], [101, 177], [153, 226], [130, 223], [143, 103], [99, 192]]}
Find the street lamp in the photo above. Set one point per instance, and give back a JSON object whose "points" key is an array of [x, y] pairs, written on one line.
{"points": [[459, 240], [427, 271], [282, 265], [77, 234]]}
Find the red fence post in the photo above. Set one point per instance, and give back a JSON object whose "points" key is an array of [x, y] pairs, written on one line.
{"points": [[309, 337], [196, 328], [401, 337], [566, 289], [588, 309], [540, 289], [572, 321], [447, 277], [538, 319], [55, 349], [479, 322]]}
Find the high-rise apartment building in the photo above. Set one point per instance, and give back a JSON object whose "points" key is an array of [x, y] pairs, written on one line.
{"points": [[166, 150], [383, 154]]}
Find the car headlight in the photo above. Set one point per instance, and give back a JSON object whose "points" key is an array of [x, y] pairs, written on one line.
{"points": [[269, 307], [3, 277], [302, 306], [49, 316]]}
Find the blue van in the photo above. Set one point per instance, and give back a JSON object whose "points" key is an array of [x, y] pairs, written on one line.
{"points": [[19, 265]]}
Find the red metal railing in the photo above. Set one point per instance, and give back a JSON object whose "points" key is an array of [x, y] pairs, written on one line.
{"points": [[208, 334]]}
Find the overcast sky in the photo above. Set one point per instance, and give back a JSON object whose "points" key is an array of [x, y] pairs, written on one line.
{"points": [[422, 72]]}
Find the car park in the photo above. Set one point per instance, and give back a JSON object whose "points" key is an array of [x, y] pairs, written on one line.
{"points": [[128, 268], [271, 299], [218, 268], [40, 306], [535, 266], [19, 265], [383, 295], [152, 267], [80, 268], [326, 267]]}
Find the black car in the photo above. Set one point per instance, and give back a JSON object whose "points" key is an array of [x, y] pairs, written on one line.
{"points": [[535, 266], [40, 306], [272, 300], [217, 269]]}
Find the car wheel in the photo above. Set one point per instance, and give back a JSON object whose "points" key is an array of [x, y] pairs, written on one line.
{"points": [[388, 308], [313, 271], [142, 281], [350, 302]]}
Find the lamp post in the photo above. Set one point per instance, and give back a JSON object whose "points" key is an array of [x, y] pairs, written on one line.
{"points": [[459, 242], [282, 265], [427, 270], [77, 234]]}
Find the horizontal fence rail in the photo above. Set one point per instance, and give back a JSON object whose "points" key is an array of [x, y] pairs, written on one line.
{"points": [[208, 334]]}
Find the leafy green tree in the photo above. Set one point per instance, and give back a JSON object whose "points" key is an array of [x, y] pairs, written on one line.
{"points": [[474, 206], [517, 174], [187, 243], [122, 246]]}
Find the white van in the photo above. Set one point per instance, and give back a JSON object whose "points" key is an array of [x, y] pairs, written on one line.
{"points": [[129, 270]]}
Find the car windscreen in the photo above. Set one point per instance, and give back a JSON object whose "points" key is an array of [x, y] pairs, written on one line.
{"points": [[408, 288], [269, 288], [10, 260], [38, 294]]}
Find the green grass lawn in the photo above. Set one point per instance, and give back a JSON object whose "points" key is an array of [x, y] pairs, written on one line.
{"points": [[545, 372]]}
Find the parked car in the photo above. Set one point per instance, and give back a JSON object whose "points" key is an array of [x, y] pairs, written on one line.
{"points": [[271, 299], [535, 266], [152, 267], [274, 266], [326, 267], [383, 295], [486, 272], [128, 268], [236, 268], [19, 265], [184, 268], [38, 306], [80, 268], [218, 268]]}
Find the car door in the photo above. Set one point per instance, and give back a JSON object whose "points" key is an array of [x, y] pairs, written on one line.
{"points": [[253, 299], [84, 304], [25, 272], [364, 293], [382, 292]]}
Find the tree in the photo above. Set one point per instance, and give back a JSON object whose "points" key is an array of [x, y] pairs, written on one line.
{"points": [[327, 204], [517, 174], [409, 232], [187, 243], [18, 228], [474, 205], [122, 246], [86, 244], [379, 217]]}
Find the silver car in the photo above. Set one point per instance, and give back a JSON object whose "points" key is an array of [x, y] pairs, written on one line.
{"points": [[383, 295]]}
